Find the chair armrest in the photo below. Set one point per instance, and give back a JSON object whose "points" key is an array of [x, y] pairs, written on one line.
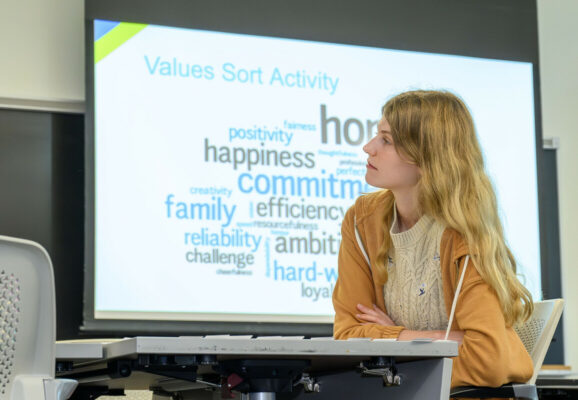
{"points": [[41, 387], [516, 390], [59, 389]]}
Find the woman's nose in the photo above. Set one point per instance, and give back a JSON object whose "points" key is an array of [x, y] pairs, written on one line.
{"points": [[367, 147]]}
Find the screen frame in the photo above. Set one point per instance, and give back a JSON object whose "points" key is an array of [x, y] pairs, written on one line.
{"points": [[362, 25]]}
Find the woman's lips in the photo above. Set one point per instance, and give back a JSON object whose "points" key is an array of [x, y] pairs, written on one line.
{"points": [[369, 166]]}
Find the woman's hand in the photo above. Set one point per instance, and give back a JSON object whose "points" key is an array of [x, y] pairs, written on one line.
{"points": [[377, 316], [407, 335], [374, 315]]}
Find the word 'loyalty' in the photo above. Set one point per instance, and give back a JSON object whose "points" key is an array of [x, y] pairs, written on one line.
{"points": [[217, 210], [234, 238], [314, 293]]}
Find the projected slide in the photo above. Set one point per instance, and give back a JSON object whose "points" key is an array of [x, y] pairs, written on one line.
{"points": [[224, 165]]}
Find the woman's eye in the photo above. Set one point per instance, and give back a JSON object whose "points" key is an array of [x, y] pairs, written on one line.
{"points": [[384, 139]]}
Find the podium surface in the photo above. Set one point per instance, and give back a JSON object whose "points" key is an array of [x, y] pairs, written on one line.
{"points": [[281, 367]]}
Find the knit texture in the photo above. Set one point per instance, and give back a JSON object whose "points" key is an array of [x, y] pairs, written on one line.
{"points": [[413, 293]]}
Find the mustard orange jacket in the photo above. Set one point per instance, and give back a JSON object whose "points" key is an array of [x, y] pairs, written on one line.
{"points": [[491, 353]]}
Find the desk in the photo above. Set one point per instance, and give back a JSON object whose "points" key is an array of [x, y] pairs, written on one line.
{"points": [[552, 387], [260, 368]]}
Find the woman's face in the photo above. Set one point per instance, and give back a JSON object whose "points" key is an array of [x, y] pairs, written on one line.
{"points": [[386, 169]]}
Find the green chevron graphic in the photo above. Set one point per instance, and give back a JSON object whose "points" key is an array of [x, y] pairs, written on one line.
{"points": [[115, 38]]}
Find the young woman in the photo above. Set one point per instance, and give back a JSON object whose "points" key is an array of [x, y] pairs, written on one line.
{"points": [[405, 248]]}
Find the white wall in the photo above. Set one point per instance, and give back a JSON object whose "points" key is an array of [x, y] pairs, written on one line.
{"points": [[42, 59], [42, 50], [558, 35]]}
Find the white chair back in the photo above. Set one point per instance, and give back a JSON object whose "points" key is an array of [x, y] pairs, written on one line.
{"points": [[27, 323], [537, 332]]}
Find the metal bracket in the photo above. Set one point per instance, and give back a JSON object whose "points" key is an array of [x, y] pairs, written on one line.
{"points": [[260, 375], [551, 143], [383, 367], [310, 385]]}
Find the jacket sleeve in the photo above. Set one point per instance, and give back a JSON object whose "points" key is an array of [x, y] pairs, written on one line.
{"points": [[491, 353], [355, 285]]}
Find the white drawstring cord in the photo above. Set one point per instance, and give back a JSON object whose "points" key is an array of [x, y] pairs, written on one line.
{"points": [[360, 243], [456, 297], [458, 289]]}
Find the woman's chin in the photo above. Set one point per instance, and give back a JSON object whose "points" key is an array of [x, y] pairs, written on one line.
{"points": [[373, 182]]}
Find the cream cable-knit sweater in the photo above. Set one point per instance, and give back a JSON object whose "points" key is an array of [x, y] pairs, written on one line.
{"points": [[491, 353], [413, 293]]}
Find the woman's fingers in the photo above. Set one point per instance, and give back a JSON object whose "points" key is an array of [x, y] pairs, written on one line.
{"points": [[373, 310], [373, 314], [363, 309], [367, 317], [379, 311]]}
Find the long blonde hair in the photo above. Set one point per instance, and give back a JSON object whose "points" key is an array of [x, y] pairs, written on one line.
{"points": [[435, 130]]}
